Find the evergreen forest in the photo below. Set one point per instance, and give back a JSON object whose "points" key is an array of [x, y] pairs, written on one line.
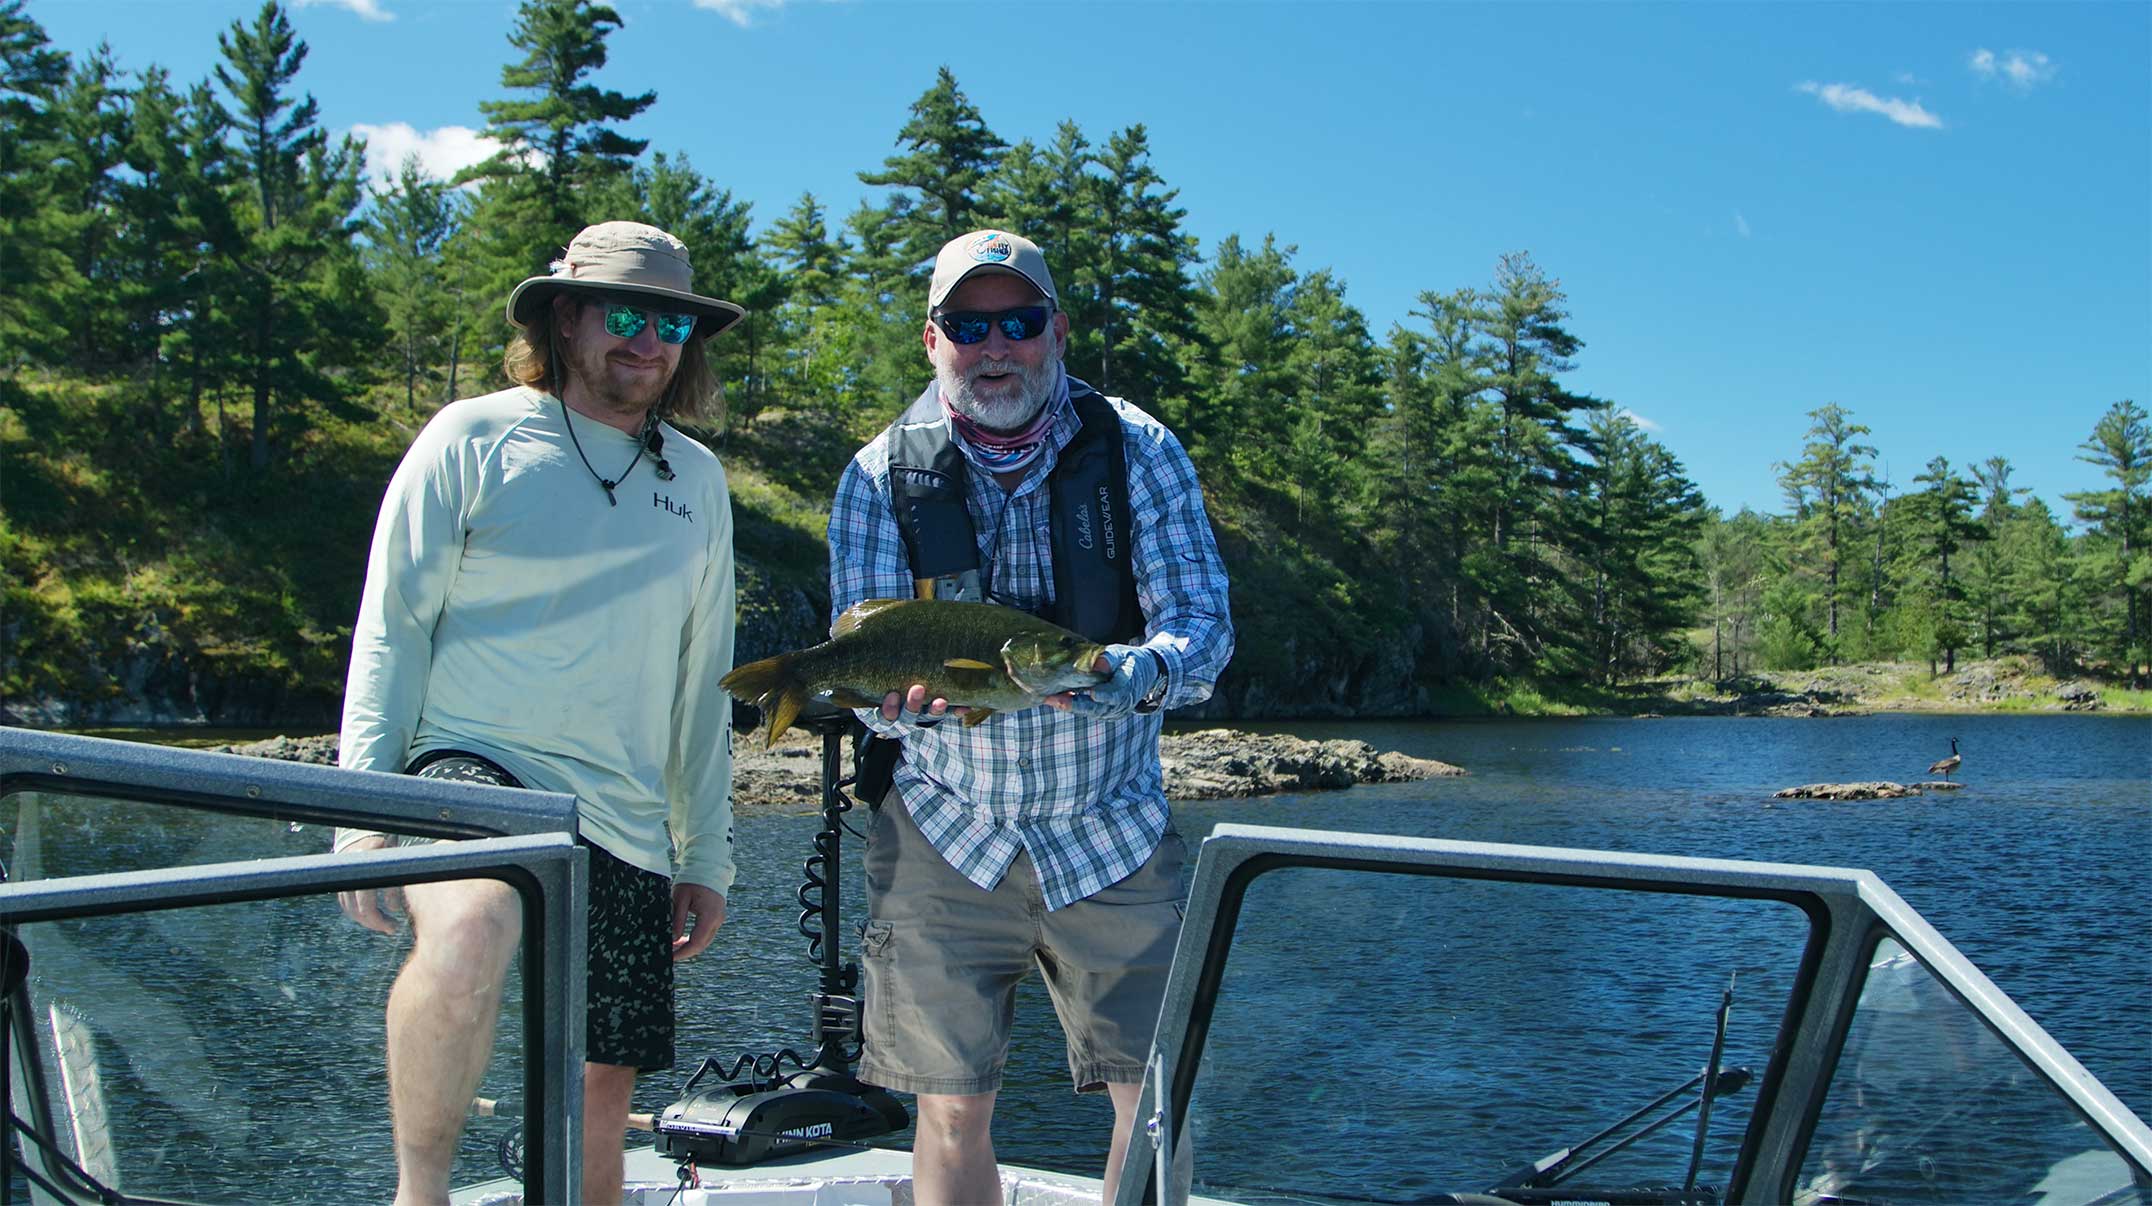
{"points": [[217, 337]]}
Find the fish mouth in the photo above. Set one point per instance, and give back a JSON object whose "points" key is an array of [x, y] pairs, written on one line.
{"points": [[1052, 678]]}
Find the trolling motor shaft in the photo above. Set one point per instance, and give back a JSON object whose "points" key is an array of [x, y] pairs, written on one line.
{"points": [[771, 1114]]}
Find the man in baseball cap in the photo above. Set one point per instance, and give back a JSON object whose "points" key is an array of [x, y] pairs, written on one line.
{"points": [[1039, 841], [549, 604]]}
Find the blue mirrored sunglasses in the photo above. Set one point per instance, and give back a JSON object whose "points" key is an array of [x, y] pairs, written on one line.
{"points": [[972, 326], [626, 322]]}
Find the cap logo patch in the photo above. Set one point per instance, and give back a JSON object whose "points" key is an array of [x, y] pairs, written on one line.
{"points": [[993, 247]]}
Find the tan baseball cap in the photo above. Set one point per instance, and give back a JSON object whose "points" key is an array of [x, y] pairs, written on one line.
{"points": [[967, 255], [629, 258]]}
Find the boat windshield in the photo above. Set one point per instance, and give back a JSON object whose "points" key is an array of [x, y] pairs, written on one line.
{"points": [[193, 1018], [1411, 1019]]}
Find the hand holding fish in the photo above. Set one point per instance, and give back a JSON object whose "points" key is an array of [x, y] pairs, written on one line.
{"points": [[1134, 671], [914, 700]]}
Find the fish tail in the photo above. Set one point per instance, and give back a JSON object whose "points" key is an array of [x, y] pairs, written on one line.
{"points": [[773, 684]]}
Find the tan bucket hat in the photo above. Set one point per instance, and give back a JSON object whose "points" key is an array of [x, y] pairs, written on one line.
{"points": [[626, 257]]}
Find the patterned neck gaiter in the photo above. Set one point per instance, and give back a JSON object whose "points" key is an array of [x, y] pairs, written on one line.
{"points": [[1006, 452]]}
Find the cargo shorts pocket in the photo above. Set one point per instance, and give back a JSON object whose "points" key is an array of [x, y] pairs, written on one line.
{"points": [[875, 939]]}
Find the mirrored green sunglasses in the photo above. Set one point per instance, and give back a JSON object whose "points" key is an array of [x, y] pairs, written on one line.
{"points": [[626, 322]]}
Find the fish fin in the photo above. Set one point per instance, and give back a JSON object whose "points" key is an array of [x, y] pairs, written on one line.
{"points": [[968, 663], [977, 716], [859, 613], [783, 711], [772, 684], [847, 697]]}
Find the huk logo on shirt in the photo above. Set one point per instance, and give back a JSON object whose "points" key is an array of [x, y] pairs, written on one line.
{"points": [[671, 507]]}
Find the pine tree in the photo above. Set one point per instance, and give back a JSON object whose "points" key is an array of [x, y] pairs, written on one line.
{"points": [[1520, 323], [800, 246], [1442, 480], [949, 156], [1947, 527], [809, 265], [33, 229], [184, 190], [91, 115], [173, 228], [295, 304], [1986, 575], [1332, 399], [1731, 554], [1637, 519], [1242, 383], [1051, 197], [1827, 487], [558, 144], [1142, 261], [2121, 537], [880, 316], [408, 231], [2045, 588]]}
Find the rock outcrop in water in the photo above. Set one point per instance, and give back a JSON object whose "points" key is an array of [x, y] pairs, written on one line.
{"points": [[1878, 789], [1208, 764]]}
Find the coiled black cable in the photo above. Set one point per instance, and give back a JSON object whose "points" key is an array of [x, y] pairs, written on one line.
{"points": [[813, 894]]}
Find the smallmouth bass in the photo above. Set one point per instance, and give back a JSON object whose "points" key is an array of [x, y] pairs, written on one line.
{"points": [[980, 656]]}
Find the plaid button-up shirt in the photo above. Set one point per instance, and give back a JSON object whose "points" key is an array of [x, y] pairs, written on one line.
{"points": [[1081, 795]]}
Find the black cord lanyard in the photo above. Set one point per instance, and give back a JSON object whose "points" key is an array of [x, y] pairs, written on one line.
{"points": [[642, 443]]}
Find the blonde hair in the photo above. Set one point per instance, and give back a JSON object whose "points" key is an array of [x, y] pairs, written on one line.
{"points": [[694, 394]]}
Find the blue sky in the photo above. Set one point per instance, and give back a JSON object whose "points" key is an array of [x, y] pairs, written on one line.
{"points": [[1937, 215]]}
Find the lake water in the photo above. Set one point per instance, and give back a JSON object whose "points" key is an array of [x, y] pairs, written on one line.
{"points": [[1354, 1002]]}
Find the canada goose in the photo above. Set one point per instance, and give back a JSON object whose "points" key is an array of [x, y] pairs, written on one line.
{"points": [[1948, 765]]}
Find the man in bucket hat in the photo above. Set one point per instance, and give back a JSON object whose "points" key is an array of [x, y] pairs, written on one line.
{"points": [[549, 604]]}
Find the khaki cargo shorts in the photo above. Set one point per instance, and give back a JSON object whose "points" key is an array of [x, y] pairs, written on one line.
{"points": [[943, 958]]}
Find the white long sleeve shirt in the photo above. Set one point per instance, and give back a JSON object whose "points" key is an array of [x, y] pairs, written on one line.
{"points": [[510, 611]]}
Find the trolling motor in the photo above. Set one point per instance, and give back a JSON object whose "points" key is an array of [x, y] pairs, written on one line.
{"points": [[771, 1114]]}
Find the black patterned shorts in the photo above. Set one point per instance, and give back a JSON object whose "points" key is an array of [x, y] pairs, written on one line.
{"points": [[628, 942]]}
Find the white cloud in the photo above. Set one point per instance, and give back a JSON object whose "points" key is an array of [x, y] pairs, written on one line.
{"points": [[441, 153], [1640, 420], [1848, 99], [371, 10], [1741, 224], [2021, 69], [740, 12]]}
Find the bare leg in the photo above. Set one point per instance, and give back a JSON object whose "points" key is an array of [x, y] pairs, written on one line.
{"points": [[1124, 1124], [953, 1151], [1124, 1120], [441, 1016], [607, 1091]]}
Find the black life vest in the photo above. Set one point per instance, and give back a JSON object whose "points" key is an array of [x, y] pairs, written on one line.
{"points": [[1093, 530]]}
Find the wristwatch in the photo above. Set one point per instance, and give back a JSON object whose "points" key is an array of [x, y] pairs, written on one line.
{"points": [[1156, 696]]}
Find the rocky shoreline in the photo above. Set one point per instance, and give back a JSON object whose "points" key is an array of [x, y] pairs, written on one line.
{"points": [[2012, 684], [1207, 764]]}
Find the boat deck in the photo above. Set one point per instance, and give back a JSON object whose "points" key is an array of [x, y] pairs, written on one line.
{"points": [[876, 1177]]}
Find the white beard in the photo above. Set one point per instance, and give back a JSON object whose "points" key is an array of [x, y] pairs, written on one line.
{"points": [[1014, 408]]}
